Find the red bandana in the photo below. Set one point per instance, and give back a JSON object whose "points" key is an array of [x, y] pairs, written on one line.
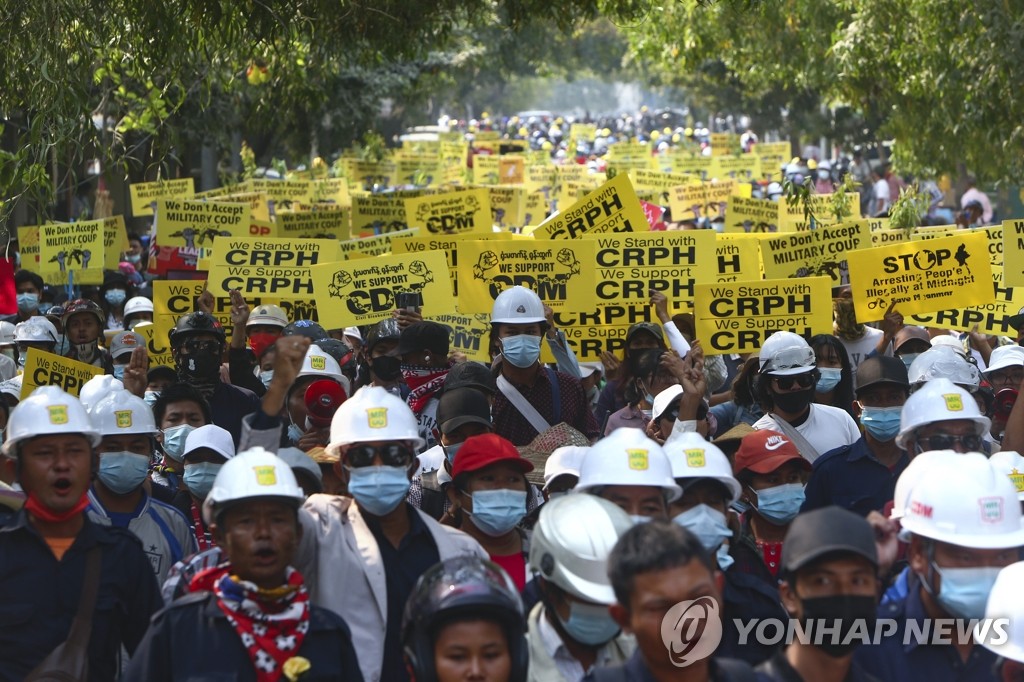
{"points": [[37, 509], [271, 623], [423, 387]]}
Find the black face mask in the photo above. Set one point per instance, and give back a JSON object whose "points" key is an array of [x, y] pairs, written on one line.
{"points": [[199, 365], [386, 367], [846, 608], [795, 402]]}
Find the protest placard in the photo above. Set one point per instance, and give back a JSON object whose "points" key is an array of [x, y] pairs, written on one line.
{"points": [[737, 317], [370, 176], [115, 240], [451, 212], [258, 202], [469, 334], [738, 258], [816, 252], [144, 195], [195, 224], [1013, 253], [508, 204], [376, 214], [316, 224], [47, 369], [66, 248], [921, 276], [274, 267], [365, 291], [793, 218], [700, 200], [612, 207], [554, 269], [365, 247], [751, 216]]}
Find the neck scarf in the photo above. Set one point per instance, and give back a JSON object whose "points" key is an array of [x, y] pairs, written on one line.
{"points": [[272, 623], [203, 537], [423, 386], [37, 509]]}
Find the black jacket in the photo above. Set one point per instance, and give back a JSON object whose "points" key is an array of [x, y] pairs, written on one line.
{"points": [[192, 640]]}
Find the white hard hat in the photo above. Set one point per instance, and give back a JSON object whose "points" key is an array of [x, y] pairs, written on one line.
{"points": [[664, 399], [36, 329], [1010, 464], [6, 333], [317, 363], [12, 387], [1005, 356], [209, 436], [353, 332], [969, 505], [562, 461], [627, 457], [785, 353], [773, 188], [517, 305], [948, 341], [1004, 601], [693, 457], [252, 474], [588, 368], [48, 411], [372, 414], [138, 304], [919, 466], [946, 362], [939, 400], [98, 388], [121, 412], [571, 543], [268, 314]]}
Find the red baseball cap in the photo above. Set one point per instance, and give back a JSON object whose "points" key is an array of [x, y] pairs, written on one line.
{"points": [[764, 451], [487, 449]]}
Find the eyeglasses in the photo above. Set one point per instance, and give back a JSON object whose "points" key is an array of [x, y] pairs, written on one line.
{"points": [[392, 455], [803, 380], [1011, 378], [943, 441]]}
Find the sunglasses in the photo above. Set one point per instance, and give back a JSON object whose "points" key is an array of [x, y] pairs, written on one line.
{"points": [[392, 455], [802, 380], [196, 346], [942, 441]]}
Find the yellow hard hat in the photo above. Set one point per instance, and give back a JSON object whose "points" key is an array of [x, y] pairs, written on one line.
{"points": [[666, 130], [688, 132], [655, 135], [812, 164], [547, 146], [605, 132]]}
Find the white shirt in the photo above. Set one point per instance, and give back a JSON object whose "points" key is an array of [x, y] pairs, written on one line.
{"points": [[826, 428], [858, 350], [882, 198], [568, 667]]}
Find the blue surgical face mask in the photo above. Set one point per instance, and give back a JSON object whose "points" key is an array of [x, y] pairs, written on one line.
{"points": [[378, 490], [496, 512], [28, 302], [883, 423], [780, 504], [589, 624], [267, 377], [828, 380], [450, 451], [63, 346], [707, 523], [150, 397], [119, 372], [908, 359], [522, 350], [963, 592], [294, 434], [723, 557], [122, 472], [115, 296], [199, 477], [174, 440]]}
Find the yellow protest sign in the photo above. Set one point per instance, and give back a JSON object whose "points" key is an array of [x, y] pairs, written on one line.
{"points": [[364, 291], [921, 276], [370, 176], [511, 170], [28, 248], [539, 178], [821, 252], [737, 317], [47, 369], [115, 240], [468, 333], [1013, 253], [629, 266], [744, 167], [272, 267], [159, 350], [445, 244], [451, 212], [486, 169], [738, 259], [71, 247], [365, 247], [791, 214], [685, 161], [557, 271], [751, 215], [259, 203], [418, 170], [536, 208], [508, 204], [723, 144], [144, 195], [376, 214], [700, 200], [330, 224], [612, 207], [195, 224], [773, 149]]}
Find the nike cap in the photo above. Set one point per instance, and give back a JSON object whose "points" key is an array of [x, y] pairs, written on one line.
{"points": [[764, 451]]}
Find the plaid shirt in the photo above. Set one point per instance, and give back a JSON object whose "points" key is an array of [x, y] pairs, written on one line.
{"points": [[510, 424]]}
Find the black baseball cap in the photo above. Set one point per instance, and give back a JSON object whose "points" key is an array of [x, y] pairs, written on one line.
{"points": [[1016, 321], [462, 406], [161, 372], [881, 369], [424, 336], [470, 375], [649, 327], [816, 533]]}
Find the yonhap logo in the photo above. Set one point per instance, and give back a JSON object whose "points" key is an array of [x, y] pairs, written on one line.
{"points": [[691, 630]]}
